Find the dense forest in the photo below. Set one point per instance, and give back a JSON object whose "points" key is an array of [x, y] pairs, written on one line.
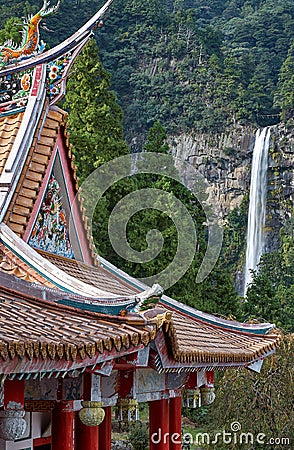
{"points": [[200, 65], [160, 68]]}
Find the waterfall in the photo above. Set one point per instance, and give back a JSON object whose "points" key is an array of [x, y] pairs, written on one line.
{"points": [[257, 204], [134, 161]]}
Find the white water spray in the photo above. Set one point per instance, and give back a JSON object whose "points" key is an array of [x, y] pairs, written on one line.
{"points": [[257, 204]]}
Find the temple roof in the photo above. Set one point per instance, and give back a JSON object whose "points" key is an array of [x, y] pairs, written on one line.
{"points": [[35, 334], [94, 276], [43, 335], [50, 305], [188, 338], [9, 126]]}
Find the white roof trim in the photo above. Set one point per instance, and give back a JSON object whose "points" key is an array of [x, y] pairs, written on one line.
{"points": [[22, 143], [52, 273]]}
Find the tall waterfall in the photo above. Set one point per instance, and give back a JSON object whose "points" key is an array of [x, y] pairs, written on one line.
{"points": [[257, 204]]}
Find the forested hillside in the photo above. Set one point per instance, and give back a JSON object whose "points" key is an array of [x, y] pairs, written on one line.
{"points": [[199, 65], [188, 66]]}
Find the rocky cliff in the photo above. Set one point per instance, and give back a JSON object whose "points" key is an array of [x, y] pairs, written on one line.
{"points": [[225, 161], [280, 181]]}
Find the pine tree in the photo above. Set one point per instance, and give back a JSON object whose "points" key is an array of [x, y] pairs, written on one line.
{"points": [[285, 95], [95, 118]]}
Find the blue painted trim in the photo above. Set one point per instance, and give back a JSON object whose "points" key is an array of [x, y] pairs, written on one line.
{"points": [[113, 310], [12, 111]]}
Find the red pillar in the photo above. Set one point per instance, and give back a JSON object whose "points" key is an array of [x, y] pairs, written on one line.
{"points": [[14, 393], [159, 425], [63, 417], [175, 423], [105, 430], [86, 437]]}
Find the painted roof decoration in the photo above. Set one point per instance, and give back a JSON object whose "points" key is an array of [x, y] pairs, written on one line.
{"points": [[30, 46], [17, 62], [50, 232], [93, 311]]}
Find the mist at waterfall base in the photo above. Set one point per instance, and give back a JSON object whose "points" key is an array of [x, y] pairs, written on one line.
{"points": [[257, 205]]}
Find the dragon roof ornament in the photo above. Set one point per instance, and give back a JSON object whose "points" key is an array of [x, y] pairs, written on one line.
{"points": [[17, 64], [76, 40], [11, 53]]}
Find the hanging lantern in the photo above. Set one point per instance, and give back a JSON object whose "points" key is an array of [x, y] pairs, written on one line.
{"points": [[127, 410], [92, 413], [191, 398], [12, 424], [207, 395]]}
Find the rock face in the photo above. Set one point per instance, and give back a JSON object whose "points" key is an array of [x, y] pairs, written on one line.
{"points": [[280, 194], [225, 162]]}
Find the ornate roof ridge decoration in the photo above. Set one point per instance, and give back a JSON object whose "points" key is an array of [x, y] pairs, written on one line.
{"points": [[138, 319], [79, 38], [16, 79], [10, 53], [174, 305]]}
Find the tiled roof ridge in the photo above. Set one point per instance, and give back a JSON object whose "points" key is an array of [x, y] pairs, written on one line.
{"points": [[273, 330], [63, 280], [79, 340], [213, 320], [29, 184], [52, 121], [26, 133], [11, 264], [55, 257], [134, 318]]}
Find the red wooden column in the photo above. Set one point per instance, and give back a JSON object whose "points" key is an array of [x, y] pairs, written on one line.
{"points": [[159, 430], [105, 429], [13, 394], [63, 418], [175, 423], [87, 438]]}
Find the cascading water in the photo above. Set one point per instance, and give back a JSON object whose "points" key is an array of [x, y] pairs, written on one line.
{"points": [[257, 204]]}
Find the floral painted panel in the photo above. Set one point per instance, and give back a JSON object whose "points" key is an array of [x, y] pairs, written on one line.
{"points": [[50, 232]]}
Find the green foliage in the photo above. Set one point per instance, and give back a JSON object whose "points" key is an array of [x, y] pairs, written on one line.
{"points": [[261, 403], [271, 295], [95, 119], [139, 437], [217, 294], [207, 65], [284, 97], [11, 31]]}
